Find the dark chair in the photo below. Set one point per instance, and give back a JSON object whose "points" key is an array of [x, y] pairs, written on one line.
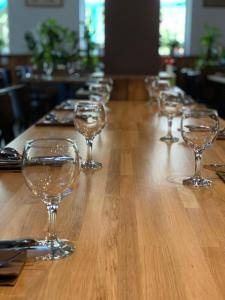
{"points": [[21, 106], [6, 118], [42, 97], [5, 77], [15, 111]]}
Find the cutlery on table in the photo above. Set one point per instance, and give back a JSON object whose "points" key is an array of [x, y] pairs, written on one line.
{"points": [[21, 244], [10, 153]]}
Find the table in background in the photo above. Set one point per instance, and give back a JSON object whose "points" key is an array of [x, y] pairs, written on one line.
{"points": [[65, 85], [218, 78], [216, 84], [138, 233]]}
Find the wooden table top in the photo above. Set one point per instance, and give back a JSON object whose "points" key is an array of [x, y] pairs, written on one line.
{"points": [[139, 233]]}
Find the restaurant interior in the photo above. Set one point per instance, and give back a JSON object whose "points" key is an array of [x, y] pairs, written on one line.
{"points": [[118, 107], [188, 50]]}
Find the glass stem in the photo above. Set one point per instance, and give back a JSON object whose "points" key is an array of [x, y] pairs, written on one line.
{"points": [[198, 165], [170, 121], [89, 149], [52, 212]]}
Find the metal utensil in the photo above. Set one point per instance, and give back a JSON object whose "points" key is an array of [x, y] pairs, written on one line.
{"points": [[10, 153], [51, 117], [18, 243], [22, 244]]}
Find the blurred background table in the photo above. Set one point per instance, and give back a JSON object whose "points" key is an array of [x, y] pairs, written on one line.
{"points": [[76, 78], [58, 87]]}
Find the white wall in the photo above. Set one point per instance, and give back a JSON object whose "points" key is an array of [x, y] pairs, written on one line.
{"points": [[23, 18], [213, 16]]}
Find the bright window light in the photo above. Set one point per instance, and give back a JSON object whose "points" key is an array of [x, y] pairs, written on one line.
{"points": [[4, 27], [95, 20], [172, 27]]}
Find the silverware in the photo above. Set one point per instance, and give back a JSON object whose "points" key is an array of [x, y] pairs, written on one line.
{"points": [[9, 153], [11, 253], [215, 167], [51, 117], [38, 247], [19, 243]]}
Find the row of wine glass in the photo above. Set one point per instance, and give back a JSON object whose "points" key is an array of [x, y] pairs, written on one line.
{"points": [[50, 166], [199, 125]]}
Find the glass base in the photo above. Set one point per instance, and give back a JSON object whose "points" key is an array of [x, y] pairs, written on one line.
{"points": [[197, 181], [57, 249], [91, 165], [168, 138]]}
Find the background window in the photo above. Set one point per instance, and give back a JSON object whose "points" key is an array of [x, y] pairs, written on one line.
{"points": [[4, 28], [95, 21], [172, 27]]}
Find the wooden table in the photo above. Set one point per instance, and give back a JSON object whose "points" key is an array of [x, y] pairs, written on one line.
{"points": [[139, 233], [216, 92], [61, 86]]}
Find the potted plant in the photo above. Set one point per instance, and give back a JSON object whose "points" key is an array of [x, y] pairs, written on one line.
{"points": [[88, 57], [52, 44], [209, 53], [2, 44]]}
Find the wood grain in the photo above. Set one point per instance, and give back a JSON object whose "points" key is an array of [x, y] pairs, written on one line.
{"points": [[139, 233]]}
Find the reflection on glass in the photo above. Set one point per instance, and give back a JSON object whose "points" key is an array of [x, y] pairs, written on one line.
{"points": [[50, 167], [48, 68], [150, 83], [89, 120], [170, 107], [199, 130]]}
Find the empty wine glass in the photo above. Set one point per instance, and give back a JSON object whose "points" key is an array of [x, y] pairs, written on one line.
{"points": [[50, 167], [158, 86], [101, 90], [48, 68], [199, 129], [71, 67], [89, 120], [108, 81], [170, 107], [151, 81]]}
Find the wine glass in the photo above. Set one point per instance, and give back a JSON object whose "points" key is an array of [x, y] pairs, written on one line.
{"points": [[199, 129], [171, 106], [101, 90], [108, 81], [89, 120], [71, 67], [150, 81], [158, 86], [48, 68], [50, 167]]}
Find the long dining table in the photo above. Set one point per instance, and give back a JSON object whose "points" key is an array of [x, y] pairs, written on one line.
{"points": [[139, 233]]}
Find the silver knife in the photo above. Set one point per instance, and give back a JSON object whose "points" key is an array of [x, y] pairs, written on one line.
{"points": [[22, 244], [215, 167]]}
